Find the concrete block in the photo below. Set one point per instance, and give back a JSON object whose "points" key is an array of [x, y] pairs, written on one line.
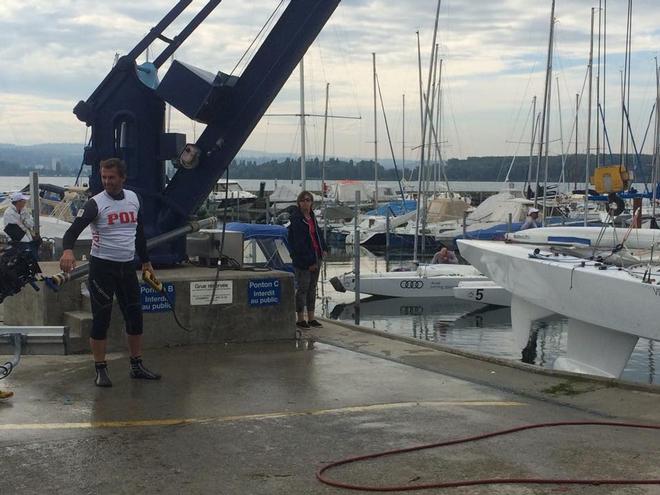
{"points": [[239, 321], [80, 327], [43, 307]]}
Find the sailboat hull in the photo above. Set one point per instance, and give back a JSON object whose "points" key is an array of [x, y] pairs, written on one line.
{"points": [[426, 281], [589, 294]]}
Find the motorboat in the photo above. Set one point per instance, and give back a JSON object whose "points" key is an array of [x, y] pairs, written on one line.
{"points": [[608, 308], [230, 192]]}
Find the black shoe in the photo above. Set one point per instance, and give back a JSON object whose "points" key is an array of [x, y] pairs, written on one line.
{"points": [[102, 377], [302, 324], [138, 371], [314, 323]]}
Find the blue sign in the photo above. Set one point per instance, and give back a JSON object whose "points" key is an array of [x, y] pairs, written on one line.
{"points": [[156, 302], [264, 292]]}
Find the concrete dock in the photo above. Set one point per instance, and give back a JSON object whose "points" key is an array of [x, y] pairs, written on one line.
{"points": [[262, 418]]}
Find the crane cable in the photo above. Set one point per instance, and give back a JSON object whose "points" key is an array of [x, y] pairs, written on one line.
{"points": [[320, 475]]}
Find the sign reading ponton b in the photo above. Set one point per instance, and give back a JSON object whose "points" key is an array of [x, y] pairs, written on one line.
{"points": [[264, 292], [201, 292], [156, 302]]}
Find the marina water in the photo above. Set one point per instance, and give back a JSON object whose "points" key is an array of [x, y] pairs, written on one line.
{"points": [[459, 324]]}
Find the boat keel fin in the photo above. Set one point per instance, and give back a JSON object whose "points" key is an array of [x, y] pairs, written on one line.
{"points": [[523, 313], [595, 350]]}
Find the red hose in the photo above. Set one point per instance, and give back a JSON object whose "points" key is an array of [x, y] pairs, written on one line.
{"points": [[493, 481]]}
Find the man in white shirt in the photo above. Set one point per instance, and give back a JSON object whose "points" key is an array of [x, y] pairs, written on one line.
{"points": [[115, 218], [532, 221], [19, 225]]}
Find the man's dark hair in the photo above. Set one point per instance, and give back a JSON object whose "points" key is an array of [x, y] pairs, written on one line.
{"points": [[116, 163]]}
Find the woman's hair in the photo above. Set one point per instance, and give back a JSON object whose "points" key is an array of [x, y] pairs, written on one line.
{"points": [[303, 195]]}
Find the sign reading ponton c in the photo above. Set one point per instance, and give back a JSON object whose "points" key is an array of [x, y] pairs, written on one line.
{"points": [[264, 292]]}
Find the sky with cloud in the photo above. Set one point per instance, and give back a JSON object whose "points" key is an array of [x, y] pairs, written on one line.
{"points": [[55, 52]]}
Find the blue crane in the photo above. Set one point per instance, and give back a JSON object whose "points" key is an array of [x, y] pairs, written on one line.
{"points": [[126, 114]]}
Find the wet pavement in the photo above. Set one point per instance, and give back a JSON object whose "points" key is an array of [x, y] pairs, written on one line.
{"points": [[261, 419]]}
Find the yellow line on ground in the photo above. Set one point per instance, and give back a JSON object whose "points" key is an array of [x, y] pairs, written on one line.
{"points": [[251, 417]]}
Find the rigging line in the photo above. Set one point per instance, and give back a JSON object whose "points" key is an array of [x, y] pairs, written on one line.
{"points": [[638, 162], [450, 92], [515, 154], [648, 126], [389, 138], [340, 44], [263, 28], [522, 100], [606, 134], [584, 83]]}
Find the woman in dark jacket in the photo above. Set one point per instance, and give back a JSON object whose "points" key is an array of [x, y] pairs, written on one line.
{"points": [[308, 248]]}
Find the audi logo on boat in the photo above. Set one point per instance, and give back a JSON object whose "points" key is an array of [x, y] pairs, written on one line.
{"points": [[412, 284]]}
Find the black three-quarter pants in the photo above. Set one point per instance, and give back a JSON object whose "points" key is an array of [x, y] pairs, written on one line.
{"points": [[107, 278]]}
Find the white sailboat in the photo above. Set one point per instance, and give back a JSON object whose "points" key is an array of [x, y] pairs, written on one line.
{"points": [[608, 308], [486, 292], [596, 237], [426, 281]]}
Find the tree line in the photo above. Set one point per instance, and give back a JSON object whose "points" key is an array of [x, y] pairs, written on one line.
{"points": [[484, 168]]}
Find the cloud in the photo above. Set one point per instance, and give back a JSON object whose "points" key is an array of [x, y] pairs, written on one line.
{"points": [[493, 63]]}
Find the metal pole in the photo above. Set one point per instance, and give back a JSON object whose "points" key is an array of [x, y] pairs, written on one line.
{"points": [[375, 135], [34, 200], [403, 139], [421, 160], [267, 210], [531, 145], [546, 102], [586, 173], [577, 129], [656, 157], [356, 256], [387, 240], [600, 24], [325, 135], [303, 178]]}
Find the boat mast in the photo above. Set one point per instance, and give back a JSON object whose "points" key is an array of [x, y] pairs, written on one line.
{"points": [[424, 106], [625, 83], [531, 144], [325, 140], [586, 173], [373, 55], [564, 154], [438, 120], [303, 178], [421, 159], [546, 102], [656, 158], [430, 117], [577, 128], [403, 139], [600, 15]]}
